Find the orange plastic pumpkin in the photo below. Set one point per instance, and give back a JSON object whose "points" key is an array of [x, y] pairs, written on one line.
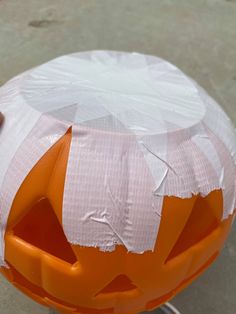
{"points": [[77, 279]]}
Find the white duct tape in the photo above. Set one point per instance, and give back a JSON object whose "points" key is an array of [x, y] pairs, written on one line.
{"points": [[141, 130], [114, 193], [33, 146]]}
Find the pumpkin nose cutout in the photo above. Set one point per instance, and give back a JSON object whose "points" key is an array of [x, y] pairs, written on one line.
{"points": [[120, 284], [41, 228]]}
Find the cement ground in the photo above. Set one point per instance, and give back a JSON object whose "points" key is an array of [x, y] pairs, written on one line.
{"points": [[199, 36]]}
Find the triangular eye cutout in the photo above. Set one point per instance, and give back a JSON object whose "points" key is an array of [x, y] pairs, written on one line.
{"points": [[41, 228], [120, 284], [203, 220]]}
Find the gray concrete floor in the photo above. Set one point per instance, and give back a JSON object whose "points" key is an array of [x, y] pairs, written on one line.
{"points": [[199, 36]]}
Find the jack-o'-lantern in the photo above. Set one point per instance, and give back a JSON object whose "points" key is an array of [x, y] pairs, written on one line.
{"points": [[106, 206]]}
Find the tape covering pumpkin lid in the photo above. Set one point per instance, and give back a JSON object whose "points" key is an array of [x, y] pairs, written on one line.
{"points": [[141, 130]]}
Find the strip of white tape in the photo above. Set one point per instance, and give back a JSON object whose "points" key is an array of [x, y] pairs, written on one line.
{"points": [[42, 136], [108, 197]]}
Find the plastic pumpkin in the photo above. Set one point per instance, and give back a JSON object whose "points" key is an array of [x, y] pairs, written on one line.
{"points": [[106, 206]]}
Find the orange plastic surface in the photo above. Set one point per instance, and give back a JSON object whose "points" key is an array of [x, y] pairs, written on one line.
{"points": [[74, 279]]}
